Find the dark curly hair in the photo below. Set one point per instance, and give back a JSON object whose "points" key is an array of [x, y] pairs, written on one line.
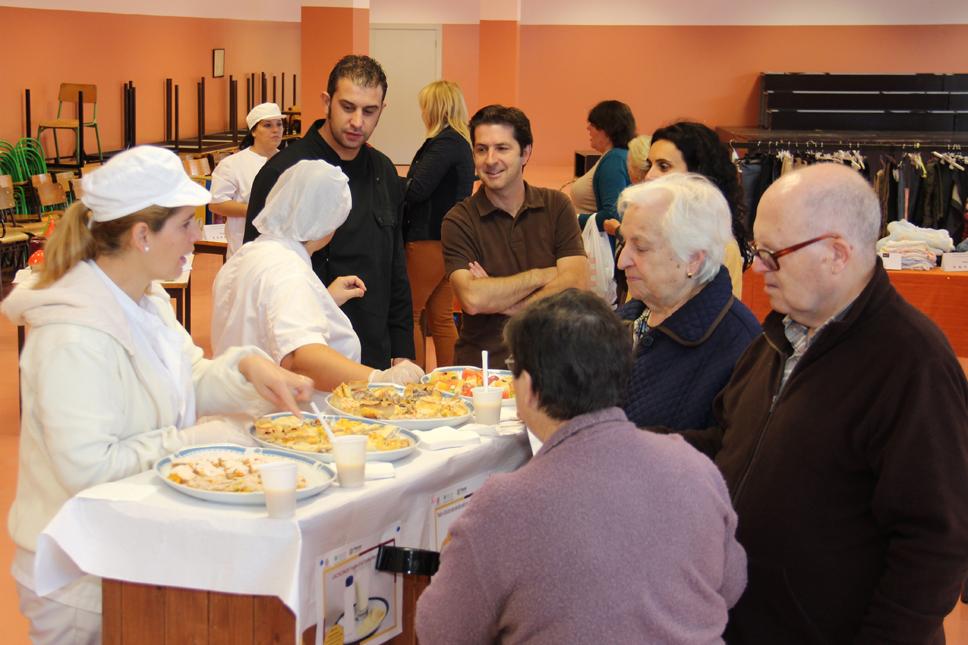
{"points": [[616, 120], [705, 154], [360, 70]]}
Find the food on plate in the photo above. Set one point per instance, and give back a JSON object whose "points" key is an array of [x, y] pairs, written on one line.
{"points": [[223, 473], [417, 401], [461, 382], [307, 434]]}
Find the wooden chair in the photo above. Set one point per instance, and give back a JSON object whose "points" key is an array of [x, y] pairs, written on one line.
{"points": [[218, 155], [197, 167], [37, 180], [89, 167], [68, 94], [7, 202], [53, 198], [63, 179], [76, 187]]}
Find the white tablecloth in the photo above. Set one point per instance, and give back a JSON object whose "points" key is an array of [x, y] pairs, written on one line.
{"points": [[151, 534]]}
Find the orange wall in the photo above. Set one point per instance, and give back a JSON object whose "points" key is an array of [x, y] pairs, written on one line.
{"points": [[703, 73], [49, 47], [461, 47], [328, 34], [500, 62]]}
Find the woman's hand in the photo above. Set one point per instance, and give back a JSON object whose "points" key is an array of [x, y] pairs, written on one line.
{"points": [[611, 226], [346, 287], [279, 386]]}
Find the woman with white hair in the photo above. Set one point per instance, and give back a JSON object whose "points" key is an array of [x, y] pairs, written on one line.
{"points": [[268, 295], [233, 176], [111, 382], [688, 328]]}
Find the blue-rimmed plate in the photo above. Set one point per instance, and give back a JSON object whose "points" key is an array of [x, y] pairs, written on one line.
{"points": [[412, 423], [318, 476], [325, 455], [459, 370]]}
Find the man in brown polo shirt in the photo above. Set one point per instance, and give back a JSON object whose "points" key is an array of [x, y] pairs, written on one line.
{"points": [[509, 243]]}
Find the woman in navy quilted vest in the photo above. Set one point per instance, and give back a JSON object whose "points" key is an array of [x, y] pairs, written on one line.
{"points": [[688, 328]]}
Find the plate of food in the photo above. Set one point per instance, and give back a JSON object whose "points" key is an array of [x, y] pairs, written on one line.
{"points": [[461, 379], [228, 474], [306, 436], [417, 406]]}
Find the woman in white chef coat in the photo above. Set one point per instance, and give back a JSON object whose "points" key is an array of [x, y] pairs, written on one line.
{"points": [[111, 382], [268, 295], [233, 176]]}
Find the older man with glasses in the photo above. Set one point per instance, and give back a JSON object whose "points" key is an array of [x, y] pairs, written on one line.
{"points": [[843, 435]]}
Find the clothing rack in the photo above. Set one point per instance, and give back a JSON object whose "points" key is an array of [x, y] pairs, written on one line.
{"points": [[738, 137]]}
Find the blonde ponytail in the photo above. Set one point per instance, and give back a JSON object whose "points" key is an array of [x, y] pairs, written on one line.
{"points": [[70, 243]]}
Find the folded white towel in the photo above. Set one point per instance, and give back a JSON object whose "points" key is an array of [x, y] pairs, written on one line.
{"points": [[939, 241], [446, 437], [379, 470]]}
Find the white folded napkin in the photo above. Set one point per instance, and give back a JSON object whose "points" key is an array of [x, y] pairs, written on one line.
{"points": [[481, 429], [379, 470], [446, 437]]}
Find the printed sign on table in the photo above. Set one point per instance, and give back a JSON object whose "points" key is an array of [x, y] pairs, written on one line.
{"points": [[213, 232], [447, 505], [355, 602]]}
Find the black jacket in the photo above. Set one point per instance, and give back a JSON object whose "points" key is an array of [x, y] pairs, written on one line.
{"points": [[441, 174], [369, 244], [852, 487]]}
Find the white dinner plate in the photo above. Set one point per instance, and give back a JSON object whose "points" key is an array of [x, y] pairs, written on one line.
{"points": [[318, 476], [327, 457], [409, 424], [510, 402]]}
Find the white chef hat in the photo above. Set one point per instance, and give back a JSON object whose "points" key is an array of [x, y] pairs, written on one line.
{"points": [[309, 201], [137, 178], [263, 111]]}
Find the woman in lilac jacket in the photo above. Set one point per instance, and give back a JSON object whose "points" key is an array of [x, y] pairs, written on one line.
{"points": [[609, 534]]}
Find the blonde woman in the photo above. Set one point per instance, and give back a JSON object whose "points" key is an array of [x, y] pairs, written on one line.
{"points": [[110, 381], [638, 158], [441, 174]]}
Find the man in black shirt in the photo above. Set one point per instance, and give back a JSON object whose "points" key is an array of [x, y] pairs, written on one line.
{"points": [[369, 244]]}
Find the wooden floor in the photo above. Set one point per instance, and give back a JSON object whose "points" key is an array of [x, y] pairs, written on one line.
{"points": [[13, 627]]}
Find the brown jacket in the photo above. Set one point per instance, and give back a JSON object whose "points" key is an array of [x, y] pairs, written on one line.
{"points": [[852, 492]]}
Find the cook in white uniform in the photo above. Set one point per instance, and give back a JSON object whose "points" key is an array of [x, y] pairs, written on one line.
{"points": [[110, 381], [233, 176], [268, 295]]}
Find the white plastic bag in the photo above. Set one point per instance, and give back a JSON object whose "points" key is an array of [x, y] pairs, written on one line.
{"points": [[600, 261]]}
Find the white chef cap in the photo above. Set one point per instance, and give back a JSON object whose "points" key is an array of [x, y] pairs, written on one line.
{"points": [[137, 178], [309, 201], [261, 112]]}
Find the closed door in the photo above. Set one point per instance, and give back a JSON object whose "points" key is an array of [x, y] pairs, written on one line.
{"points": [[410, 56]]}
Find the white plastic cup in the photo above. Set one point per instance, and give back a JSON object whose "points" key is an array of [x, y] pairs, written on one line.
{"points": [[487, 404], [279, 486], [349, 453]]}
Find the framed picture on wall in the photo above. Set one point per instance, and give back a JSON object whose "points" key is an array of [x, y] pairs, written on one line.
{"points": [[218, 63]]}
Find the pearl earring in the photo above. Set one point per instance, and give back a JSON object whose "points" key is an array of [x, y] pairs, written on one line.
{"points": [[147, 249], [688, 275]]}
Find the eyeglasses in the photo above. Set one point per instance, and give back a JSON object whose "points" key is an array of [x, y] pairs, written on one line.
{"points": [[771, 259]]}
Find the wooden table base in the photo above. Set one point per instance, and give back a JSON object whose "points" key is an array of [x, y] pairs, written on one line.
{"points": [[137, 614]]}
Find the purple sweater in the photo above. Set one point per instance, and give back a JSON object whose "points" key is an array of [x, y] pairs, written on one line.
{"points": [[609, 534]]}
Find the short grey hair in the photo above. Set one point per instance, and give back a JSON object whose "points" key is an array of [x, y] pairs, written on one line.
{"points": [[697, 218]]}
